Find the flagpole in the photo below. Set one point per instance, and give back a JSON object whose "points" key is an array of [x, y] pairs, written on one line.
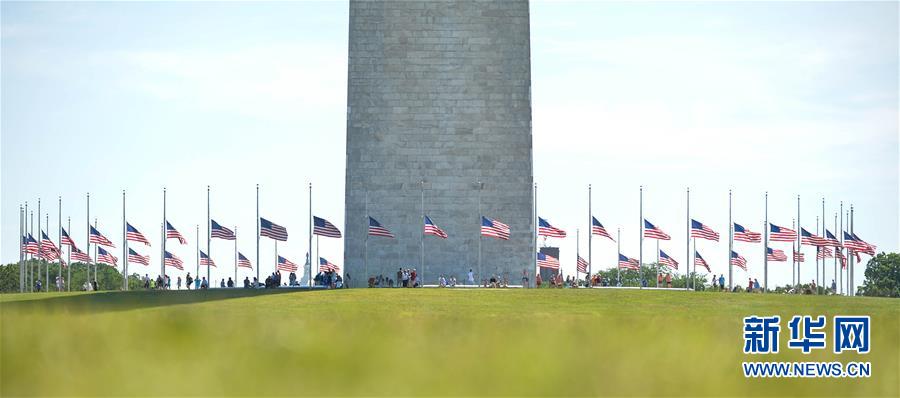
{"points": [[534, 235], [480, 218], [258, 264], [96, 254], [197, 252], [309, 275], [40, 243], [34, 258], [851, 269], [21, 252], [657, 263], [124, 246], [59, 245], [422, 237], [687, 250], [818, 281], [794, 258], [835, 257], [235, 256], [766, 246], [824, 278], [25, 265], [276, 256], [799, 247], [208, 240], [365, 243], [641, 244], [730, 246], [87, 238], [840, 237], [47, 262], [69, 268], [577, 250], [590, 237], [847, 267], [618, 253], [162, 260], [694, 261]]}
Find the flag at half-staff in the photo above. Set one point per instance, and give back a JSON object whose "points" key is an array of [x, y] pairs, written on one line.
{"points": [[781, 234], [840, 255], [698, 230], [667, 260], [327, 266], [824, 252], [494, 229], [98, 238], [547, 261], [742, 234], [582, 265], [775, 254], [106, 257], [30, 245], [172, 233], [652, 232], [738, 260], [376, 229], [831, 239], [598, 229], [133, 235], [171, 260], [432, 229], [628, 262], [857, 242], [65, 239], [811, 239], [49, 251], [243, 261], [78, 255], [219, 232], [799, 257], [698, 260], [285, 265], [135, 257], [324, 228], [205, 260], [545, 229]]}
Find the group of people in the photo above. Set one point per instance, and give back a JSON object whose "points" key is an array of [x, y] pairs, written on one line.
{"points": [[330, 279]]}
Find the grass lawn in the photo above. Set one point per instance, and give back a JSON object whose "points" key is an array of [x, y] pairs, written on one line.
{"points": [[419, 342]]}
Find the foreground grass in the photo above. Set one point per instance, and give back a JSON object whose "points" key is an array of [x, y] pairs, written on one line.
{"points": [[418, 342]]}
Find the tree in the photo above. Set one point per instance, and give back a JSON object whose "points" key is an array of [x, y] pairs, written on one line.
{"points": [[882, 276]]}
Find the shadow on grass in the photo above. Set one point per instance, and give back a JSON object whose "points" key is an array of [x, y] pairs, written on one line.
{"points": [[124, 301]]}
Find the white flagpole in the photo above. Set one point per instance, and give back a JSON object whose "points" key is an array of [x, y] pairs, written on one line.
{"points": [[366, 242], [40, 240], [687, 250], [87, 238], [618, 253], [766, 245], [235, 256], [165, 232], [823, 235], [309, 254], [851, 269], [124, 245], [197, 252], [21, 252], [208, 240], [69, 268], [480, 189], [657, 263], [96, 254], [818, 280], [794, 258], [641, 244], [422, 236], [258, 264], [577, 250], [836, 249], [534, 235], [47, 262], [730, 246], [590, 231], [799, 227], [59, 245]]}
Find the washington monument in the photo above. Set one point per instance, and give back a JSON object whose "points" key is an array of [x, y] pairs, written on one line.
{"points": [[439, 122]]}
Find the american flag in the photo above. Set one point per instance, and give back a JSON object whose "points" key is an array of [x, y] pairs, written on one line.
{"points": [[322, 227], [134, 257], [376, 229], [78, 255], [650, 231], [628, 262], [598, 229], [546, 261], [824, 252], [47, 243], [742, 234], [327, 266], [171, 260], [664, 259], [852, 242], [545, 229], [582, 265], [172, 233], [738, 260], [285, 265], [132, 234], [104, 256], [431, 229], [49, 252], [494, 228], [65, 239], [870, 248], [205, 260], [98, 238], [810, 239], [30, 245], [272, 230], [698, 260], [781, 234], [798, 257], [220, 232], [243, 261], [831, 239], [840, 256], [698, 230], [775, 254]]}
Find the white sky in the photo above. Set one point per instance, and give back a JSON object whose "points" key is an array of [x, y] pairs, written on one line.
{"points": [[789, 98]]}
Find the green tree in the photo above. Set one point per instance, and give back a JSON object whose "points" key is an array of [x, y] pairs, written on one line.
{"points": [[882, 276]]}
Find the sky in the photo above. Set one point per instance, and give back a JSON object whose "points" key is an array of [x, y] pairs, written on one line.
{"points": [[794, 98]]}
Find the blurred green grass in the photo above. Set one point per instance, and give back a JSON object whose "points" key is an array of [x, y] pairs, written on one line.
{"points": [[391, 342]]}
